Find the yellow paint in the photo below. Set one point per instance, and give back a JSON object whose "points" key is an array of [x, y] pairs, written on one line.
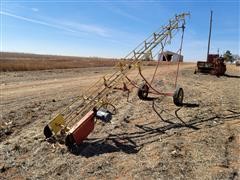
{"points": [[57, 123]]}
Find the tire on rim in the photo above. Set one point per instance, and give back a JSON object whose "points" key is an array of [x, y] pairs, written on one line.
{"points": [[143, 91], [47, 132], [178, 96], [69, 141]]}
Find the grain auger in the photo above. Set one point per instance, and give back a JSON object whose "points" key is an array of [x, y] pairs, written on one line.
{"points": [[77, 120]]}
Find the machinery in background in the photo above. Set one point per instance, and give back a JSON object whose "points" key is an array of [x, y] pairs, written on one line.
{"points": [[215, 64]]}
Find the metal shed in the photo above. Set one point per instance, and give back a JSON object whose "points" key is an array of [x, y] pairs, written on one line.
{"points": [[170, 56]]}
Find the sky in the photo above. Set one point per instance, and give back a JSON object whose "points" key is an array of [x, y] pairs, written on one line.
{"points": [[114, 28]]}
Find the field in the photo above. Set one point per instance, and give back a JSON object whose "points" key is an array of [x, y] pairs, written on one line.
{"points": [[151, 139], [32, 62]]}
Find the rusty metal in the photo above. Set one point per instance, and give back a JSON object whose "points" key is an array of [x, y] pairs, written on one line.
{"points": [[214, 66], [219, 67]]}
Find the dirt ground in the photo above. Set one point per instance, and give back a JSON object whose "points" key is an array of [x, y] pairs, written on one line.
{"points": [[151, 139]]}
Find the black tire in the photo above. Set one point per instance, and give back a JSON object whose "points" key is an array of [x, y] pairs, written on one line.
{"points": [[69, 141], [47, 132], [143, 91], [178, 97]]}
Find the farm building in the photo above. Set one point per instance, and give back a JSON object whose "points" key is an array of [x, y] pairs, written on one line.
{"points": [[170, 56]]}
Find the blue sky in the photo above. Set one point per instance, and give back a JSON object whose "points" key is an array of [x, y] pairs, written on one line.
{"points": [[114, 28]]}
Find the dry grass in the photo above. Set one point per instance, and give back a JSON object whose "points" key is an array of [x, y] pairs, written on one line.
{"points": [[31, 65], [32, 62], [140, 143]]}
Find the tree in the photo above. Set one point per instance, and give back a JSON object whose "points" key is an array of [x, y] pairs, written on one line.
{"points": [[228, 56]]}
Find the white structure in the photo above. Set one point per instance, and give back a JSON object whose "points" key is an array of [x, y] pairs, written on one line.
{"points": [[170, 56]]}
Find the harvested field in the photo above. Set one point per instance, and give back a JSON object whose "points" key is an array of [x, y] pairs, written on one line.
{"points": [[151, 139], [33, 62]]}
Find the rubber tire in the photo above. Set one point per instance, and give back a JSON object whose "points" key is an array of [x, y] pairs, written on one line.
{"points": [[47, 132], [69, 141], [178, 96], [143, 91]]}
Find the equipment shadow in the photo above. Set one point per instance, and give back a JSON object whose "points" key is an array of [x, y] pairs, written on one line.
{"points": [[132, 142], [190, 105], [231, 76], [96, 147]]}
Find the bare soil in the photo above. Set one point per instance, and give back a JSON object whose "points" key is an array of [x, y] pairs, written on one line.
{"points": [[151, 139]]}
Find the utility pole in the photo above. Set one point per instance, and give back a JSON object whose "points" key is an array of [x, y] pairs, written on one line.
{"points": [[210, 32]]}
